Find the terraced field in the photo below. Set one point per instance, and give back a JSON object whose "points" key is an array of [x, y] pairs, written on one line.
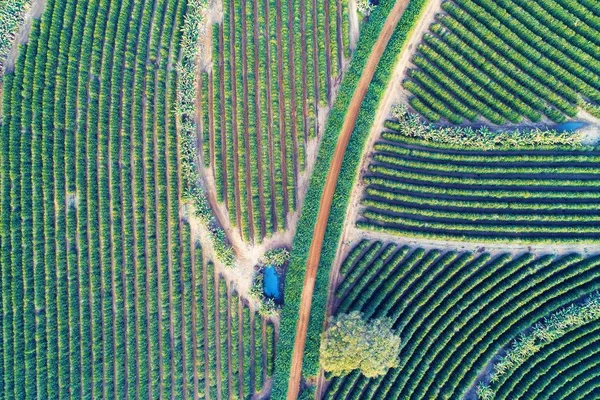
{"points": [[456, 310], [274, 64], [506, 60], [430, 190]]}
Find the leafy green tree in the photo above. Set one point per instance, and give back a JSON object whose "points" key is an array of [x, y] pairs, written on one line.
{"points": [[350, 343]]}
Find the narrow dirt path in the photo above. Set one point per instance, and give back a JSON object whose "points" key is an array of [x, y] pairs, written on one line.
{"points": [[240, 346], [229, 342], [205, 318], [315, 65], [314, 255], [218, 346], [339, 38], [211, 120], [292, 78], [257, 108], [194, 317], [304, 71], [224, 181], [327, 52]]}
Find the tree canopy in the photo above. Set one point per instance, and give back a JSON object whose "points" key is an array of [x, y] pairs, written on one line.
{"points": [[350, 343]]}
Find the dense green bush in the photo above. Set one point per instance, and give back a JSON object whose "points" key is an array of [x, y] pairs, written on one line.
{"points": [[12, 16]]}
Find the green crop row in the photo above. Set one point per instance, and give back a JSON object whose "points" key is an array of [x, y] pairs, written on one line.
{"points": [[508, 58], [303, 238], [460, 310], [542, 361], [297, 77], [109, 269], [472, 199]]}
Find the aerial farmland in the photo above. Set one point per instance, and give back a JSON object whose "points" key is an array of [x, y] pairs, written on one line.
{"points": [[300, 199]]}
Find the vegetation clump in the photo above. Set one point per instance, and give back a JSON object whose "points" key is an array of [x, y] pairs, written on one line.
{"points": [[276, 257], [352, 343], [187, 70], [12, 15]]}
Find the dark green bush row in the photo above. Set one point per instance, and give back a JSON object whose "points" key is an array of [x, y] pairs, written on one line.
{"points": [[513, 57], [528, 373]]}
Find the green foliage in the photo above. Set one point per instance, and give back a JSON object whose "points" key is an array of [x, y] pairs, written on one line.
{"points": [[482, 138], [187, 70], [477, 185], [350, 343], [552, 328], [12, 16], [276, 257], [302, 240], [456, 312], [505, 59]]}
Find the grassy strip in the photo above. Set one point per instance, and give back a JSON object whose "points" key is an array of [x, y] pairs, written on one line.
{"points": [[302, 241]]}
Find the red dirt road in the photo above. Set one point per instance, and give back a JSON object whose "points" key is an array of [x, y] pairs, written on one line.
{"points": [[314, 255]]}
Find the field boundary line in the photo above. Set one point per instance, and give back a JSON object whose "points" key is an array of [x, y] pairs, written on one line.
{"points": [[314, 255]]}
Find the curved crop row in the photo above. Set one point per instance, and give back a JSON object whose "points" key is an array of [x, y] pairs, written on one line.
{"points": [[441, 193], [454, 311], [505, 60]]}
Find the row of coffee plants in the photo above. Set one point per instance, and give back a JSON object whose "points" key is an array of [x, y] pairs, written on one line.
{"points": [[12, 16], [348, 172], [274, 63], [505, 60], [239, 342], [99, 271], [543, 340], [453, 310], [486, 192]]}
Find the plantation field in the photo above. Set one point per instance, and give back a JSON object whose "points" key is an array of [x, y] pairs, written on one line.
{"points": [[101, 279], [438, 191], [274, 64], [508, 61], [237, 344], [456, 310]]}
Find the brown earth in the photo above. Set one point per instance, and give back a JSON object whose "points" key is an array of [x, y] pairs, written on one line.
{"points": [[314, 255]]}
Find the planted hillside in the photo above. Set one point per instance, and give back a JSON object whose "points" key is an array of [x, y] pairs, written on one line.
{"points": [[98, 271], [508, 61], [236, 344], [438, 190], [274, 63], [455, 311], [12, 15]]}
